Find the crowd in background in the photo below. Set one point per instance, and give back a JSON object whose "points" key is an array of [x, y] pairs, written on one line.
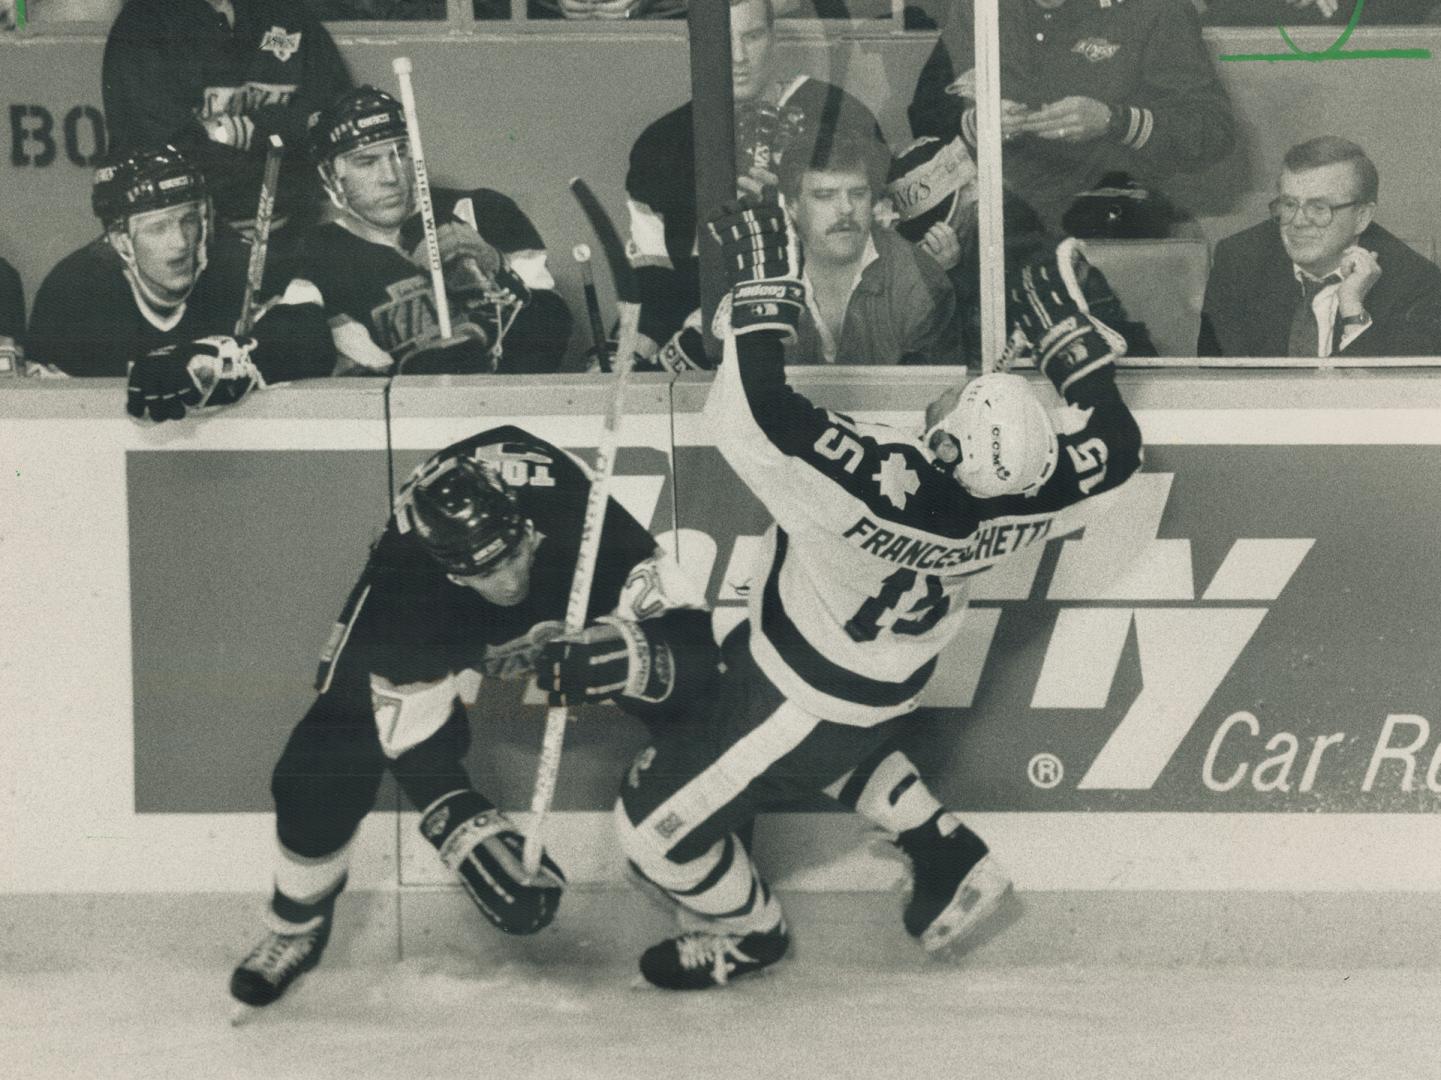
{"points": [[1103, 104]]}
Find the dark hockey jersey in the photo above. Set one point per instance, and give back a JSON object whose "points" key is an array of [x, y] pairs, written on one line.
{"points": [[422, 640], [379, 301], [867, 568], [87, 320], [171, 64]]}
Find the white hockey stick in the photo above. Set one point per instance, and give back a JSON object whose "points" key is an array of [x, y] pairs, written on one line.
{"points": [[401, 66], [548, 768]]}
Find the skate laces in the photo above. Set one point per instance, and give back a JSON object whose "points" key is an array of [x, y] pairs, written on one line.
{"points": [[278, 953], [710, 950]]}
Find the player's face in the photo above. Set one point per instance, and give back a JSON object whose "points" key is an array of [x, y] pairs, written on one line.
{"points": [[1318, 248], [378, 182], [833, 214], [505, 582], [752, 50], [944, 446], [165, 246]]}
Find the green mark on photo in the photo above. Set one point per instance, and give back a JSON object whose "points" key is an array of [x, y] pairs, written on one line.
{"points": [[1335, 52]]}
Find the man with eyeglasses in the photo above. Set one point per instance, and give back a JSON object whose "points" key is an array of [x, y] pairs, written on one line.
{"points": [[1321, 278]]}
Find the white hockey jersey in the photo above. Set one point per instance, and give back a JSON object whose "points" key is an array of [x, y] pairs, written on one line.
{"points": [[866, 571]]}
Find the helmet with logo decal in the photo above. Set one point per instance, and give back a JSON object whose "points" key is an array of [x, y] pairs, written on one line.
{"points": [[144, 180], [995, 437], [462, 514], [930, 181], [356, 118]]}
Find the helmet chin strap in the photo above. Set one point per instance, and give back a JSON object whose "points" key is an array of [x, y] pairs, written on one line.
{"points": [[350, 219]]}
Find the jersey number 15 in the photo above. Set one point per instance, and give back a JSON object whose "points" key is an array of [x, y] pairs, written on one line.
{"points": [[865, 624]]}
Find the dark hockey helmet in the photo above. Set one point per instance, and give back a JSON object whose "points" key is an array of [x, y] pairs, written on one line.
{"points": [[357, 118], [926, 182], [462, 514], [145, 180]]}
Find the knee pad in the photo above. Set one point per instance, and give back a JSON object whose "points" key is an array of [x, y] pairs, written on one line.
{"points": [[481, 845]]}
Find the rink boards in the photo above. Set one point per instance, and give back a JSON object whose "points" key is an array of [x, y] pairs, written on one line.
{"points": [[1228, 682]]}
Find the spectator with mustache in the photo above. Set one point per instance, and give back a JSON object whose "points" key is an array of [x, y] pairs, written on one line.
{"points": [[872, 297]]}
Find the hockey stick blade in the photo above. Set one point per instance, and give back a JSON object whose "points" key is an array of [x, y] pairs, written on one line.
{"points": [[611, 245]]}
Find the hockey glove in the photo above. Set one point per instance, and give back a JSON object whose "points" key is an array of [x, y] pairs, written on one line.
{"points": [[475, 273], [1050, 309], [762, 258], [190, 375], [481, 845], [610, 656], [685, 351]]}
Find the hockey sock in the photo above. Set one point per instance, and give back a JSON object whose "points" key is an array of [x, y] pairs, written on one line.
{"points": [[297, 913], [887, 790], [721, 885], [304, 883]]}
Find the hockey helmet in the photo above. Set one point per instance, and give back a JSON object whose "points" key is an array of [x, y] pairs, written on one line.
{"points": [[462, 513], [357, 118], [930, 181], [145, 180], [997, 439]]}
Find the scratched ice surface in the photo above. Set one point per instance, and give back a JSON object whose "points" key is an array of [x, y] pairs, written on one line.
{"points": [[443, 1018]]}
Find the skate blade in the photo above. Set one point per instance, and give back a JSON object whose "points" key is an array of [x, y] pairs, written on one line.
{"points": [[960, 928], [242, 1014]]}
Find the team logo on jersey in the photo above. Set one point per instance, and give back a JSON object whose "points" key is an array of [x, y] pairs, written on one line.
{"points": [[283, 45], [1096, 49], [897, 480]]}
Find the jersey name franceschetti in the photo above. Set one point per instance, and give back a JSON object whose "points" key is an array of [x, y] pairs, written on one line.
{"points": [[991, 541]]}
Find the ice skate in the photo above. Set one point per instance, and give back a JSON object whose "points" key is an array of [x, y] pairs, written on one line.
{"points": [[287, 951], [957, 885], [700, 960]]}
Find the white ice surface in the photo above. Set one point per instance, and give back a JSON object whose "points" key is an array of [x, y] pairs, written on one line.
{"points": [[443, 1017]]}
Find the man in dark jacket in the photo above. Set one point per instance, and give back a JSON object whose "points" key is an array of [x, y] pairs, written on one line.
{"points": [[216, 78], [1321, 278], [1090, 87]]}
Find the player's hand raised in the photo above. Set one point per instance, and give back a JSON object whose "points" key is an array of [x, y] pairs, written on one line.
{"points": [[762, 259], [1048, 305]]}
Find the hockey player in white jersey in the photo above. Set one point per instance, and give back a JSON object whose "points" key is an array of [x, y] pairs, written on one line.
{"points": [[863, 581]]}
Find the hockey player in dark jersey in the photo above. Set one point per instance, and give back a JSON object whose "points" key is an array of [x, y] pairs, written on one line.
{"points": [[159, 294], [469, 581], [864, 579], [370, 262], [217, 78]]}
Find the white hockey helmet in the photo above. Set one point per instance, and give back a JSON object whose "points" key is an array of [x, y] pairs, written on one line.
{"points": [[996, 437]]}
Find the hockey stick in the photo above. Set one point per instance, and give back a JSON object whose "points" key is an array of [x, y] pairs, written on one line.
{"points": [[581, 252], [577, 605], [402, 67], [260, 244]]}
